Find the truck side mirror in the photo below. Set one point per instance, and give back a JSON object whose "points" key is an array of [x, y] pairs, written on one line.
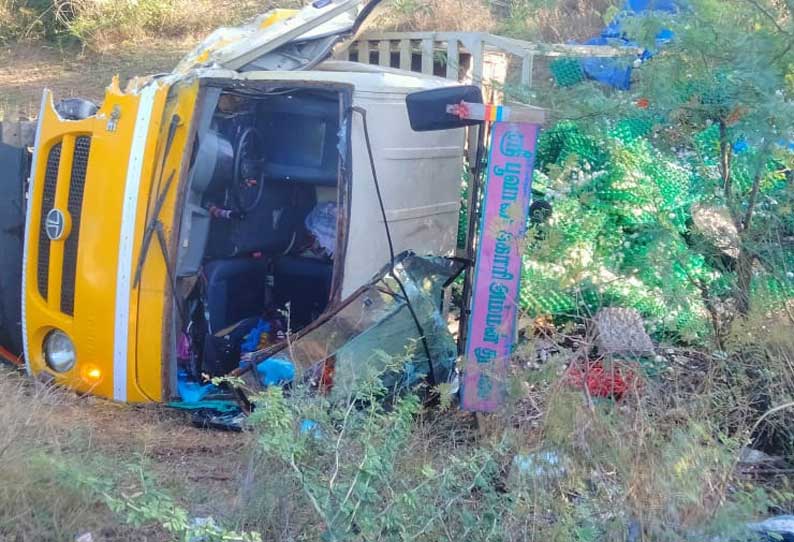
{"points": [[427, 109]]}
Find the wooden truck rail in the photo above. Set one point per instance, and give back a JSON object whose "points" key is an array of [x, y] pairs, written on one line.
{"points": [[464, 55]]}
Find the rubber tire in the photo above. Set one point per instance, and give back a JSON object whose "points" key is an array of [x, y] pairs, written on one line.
{"points": [[15, 165]]}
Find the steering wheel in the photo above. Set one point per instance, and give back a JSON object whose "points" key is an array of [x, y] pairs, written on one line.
{"points": [[249, 162]]}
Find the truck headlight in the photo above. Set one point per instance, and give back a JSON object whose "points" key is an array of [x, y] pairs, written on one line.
{"points": [[59, 351]]}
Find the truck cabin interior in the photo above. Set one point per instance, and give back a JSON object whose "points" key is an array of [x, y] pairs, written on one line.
{"points": [[259, 231]]}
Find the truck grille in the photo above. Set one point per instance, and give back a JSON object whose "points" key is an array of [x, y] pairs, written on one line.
{"points": [[82, 147], [47, 203]]}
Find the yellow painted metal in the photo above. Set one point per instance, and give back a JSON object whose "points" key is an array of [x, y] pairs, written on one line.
{"points": [[276, 15], [151, 302], [225, 37], [92, 326]]}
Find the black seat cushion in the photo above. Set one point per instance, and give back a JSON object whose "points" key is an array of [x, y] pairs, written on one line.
{"points": [[235, 290], [306, 284]]}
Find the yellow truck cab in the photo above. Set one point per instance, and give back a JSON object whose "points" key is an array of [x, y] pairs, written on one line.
{"points": [[238, 187]]}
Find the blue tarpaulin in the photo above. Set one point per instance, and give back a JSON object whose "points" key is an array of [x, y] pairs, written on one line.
{"points": [[616, 73]]}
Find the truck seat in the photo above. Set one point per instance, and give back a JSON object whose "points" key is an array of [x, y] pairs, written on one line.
{"points": [[235, 290], [268, 228], [306, 284]]}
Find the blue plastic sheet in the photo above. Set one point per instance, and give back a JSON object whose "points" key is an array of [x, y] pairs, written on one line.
{"points": [[616, 72], [276, 371], [190, 391], [607, 70], [218, 406]]}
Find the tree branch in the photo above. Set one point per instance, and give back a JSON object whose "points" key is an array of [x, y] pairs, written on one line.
{"points": [[759, 172], [768, 15], [784, 52], [726, 156]]}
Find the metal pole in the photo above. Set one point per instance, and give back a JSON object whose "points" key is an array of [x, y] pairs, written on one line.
{"points": [[474, 219]]}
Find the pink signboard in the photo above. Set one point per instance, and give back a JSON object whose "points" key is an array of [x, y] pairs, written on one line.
{"points": [[494, 306]]}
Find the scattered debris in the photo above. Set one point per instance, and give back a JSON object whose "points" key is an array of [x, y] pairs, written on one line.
{"points": [[214, 419], [603, 380], [752, 457], [540, 464]]}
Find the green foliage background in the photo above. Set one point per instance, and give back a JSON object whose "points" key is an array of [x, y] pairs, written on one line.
{"points": [[625, 178]]}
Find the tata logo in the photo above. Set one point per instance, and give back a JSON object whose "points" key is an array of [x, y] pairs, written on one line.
{"points": [[55, 224]]}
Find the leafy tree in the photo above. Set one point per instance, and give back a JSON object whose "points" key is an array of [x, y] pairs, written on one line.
{"points": [[730, 69], [715, 101]]}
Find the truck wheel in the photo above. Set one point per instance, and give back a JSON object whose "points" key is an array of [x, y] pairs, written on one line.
{"points": [[15, 165]]}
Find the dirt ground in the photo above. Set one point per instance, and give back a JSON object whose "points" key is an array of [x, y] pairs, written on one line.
{"points": [[27, 68], [199, 466], [188, 460]]}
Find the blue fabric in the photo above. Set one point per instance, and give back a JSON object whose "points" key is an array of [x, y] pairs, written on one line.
{"points": [[192, 392], [275, 372], [639, 6], [251, 341], [740, 146], [309, 426]]}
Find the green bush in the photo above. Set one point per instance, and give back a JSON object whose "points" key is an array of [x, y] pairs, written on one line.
{"points": [[580, 470], [21, 19]]}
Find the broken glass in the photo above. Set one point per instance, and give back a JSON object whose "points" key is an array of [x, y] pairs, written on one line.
{"points": [[374, 331]]}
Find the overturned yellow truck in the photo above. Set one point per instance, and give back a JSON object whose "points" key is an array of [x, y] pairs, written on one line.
{"points": [[236, 200]]}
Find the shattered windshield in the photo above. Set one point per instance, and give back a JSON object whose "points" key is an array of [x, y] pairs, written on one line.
{"points": [[375, 332]]}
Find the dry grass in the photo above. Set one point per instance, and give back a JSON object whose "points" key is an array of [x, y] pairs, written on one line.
{"points": [[437, 15], [49, 436], [102, 25], [150, 36], [26, 69], [75, 47], [664, 457], [557, 22], [33, 504]]}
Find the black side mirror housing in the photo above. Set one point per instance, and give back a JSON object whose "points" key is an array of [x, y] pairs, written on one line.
{"points": [[427, 109]]}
